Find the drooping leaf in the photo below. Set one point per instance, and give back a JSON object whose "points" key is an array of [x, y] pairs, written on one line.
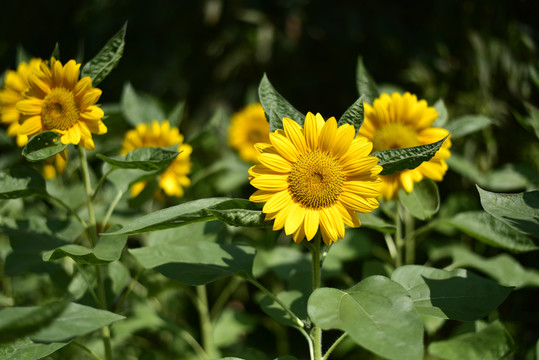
{"points": [[371, 221], [76, 320], [467, 124], [442, 113], [293, 300], [194, 211], [28, 350], [80, 254], [424, 201], [503, 268], [139, 108], [365, 84], [377, 314], [490, 343], [43, 146], [146, 159], [239, 212], [354, 115], [276, 106], [20, 322], [396, 160], [20, 182], [520, 211], [491, 231], [457, 295], [107, 59], [109, 248], [196, 264]]}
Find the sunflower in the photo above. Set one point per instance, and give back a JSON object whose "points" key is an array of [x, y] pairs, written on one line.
{"points": [[174, 178], [315, 178], [14, 84], [57, 100], [401, 121], [248, 127]]}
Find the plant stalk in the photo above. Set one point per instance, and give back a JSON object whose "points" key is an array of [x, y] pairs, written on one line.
{"points": [[205, 322], [399, 240], [316, 331]]}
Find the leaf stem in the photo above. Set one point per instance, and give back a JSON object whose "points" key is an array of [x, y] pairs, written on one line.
{"points": [[224, 295], [65, 206], [409, 238], [88, 187], [399, 241], [83, 274], [111, 208], [105, 331], [205, 322], [94, 355], [335, 344], [101, 181]]}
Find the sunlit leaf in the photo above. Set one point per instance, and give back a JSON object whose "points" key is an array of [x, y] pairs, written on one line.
{"points": [[467, 124], [442, 113], [424, 201], [147, 159], [491, 231], [43, 146], [196, 264], [371, 221], [457, 295], [107, 59], [490, 343], [139, 108], [28, 350], [231, 326], [520, 211], [175, 116], [396, 160], [354, 115], [377, 314], [276, 106], [365, 84], [20, 182]]}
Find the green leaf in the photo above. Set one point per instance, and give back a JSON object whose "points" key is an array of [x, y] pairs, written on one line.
{"points": [[26, 349], [196, 264], [232, 326], [490, 343], [396, 160], [503, 268], [442, 113], [146, 159], [76, 320], [80, 254], [354, 115], [107, 59], [276, 106], [485, 228], [371, 221], [139, 108], [377, 314], [109, 248], [365, 84], [467, 124], [19, 322], [240, 212], [176, 115], [187, 213], [21, 55], [520, 211], [423, 202], [20, 182], [457, 295], [43, 146], [56, 51], [293, 300]]}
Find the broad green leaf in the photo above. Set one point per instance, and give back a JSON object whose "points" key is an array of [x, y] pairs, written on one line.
{"points": [[231, 326], [43, 146], [26, 349], [354, 115], [146, 159], [175, 116], [377, 314], [485, 228], [19, 322], [276, 106], [293, 300], [396, 160], [109, 248], [365, 84], [107, 59], [139, 108], [457, 295], [196, 264], [423, 202], [187, 213], [503, 268], [239, 212], [20, 182], [466, 125], [211, 231], [371, 221], [76, 320], [520, 211], [442, 113], [491, 343]]}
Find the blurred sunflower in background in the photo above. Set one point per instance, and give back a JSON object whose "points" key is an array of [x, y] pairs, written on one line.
{"points": [[401, 121], [174, 178], [315, 178], [248, 127]]}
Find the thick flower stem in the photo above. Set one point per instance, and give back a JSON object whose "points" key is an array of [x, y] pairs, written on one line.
{"points": [[316, 331], [205, 322], [409, 238], [399, 240]]}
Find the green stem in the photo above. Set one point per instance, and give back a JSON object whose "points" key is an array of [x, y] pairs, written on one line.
{"points": [[316, 331], [101, 181], [399, 241], [111, 209], [125, 295], [224, 295], [409, 238], [83, 274], [205, 322], [201, 354], [335, 344], [65, 206], [94, 355], [105, 331], [391, 247]]}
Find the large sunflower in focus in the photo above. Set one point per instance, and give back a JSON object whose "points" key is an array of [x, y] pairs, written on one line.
{"points": [[248, 127], [315, 177], [174, 178], [401, 121], [15, 83], [57, 100]]}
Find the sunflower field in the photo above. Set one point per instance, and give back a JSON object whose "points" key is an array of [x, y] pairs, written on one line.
{"points": [[278, 180]]}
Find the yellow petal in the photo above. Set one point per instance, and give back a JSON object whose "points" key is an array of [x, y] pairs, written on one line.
{"points": [[328, 135], [284, 147], [275, 162], [261, 196], [343, 140], [270, 182], [311, 224], [295, 218], [277, 202], [407, 182], [294, 133], [31, 126], [364, 188], [311, 131], [30, 107], [71, 74]]}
